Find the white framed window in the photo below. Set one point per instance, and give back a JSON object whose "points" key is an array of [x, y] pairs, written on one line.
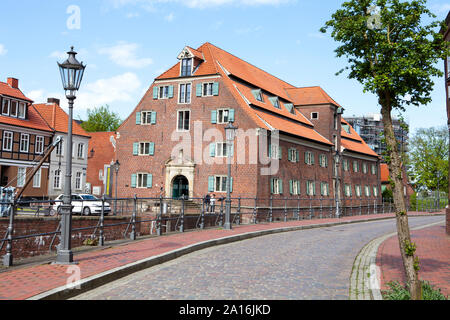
{"points": [[314, 115], [257, 93], [22, 110], [148, 117], [355, 166], [323, 161], [358, 190], [309, 158], [185, 93], [293, 155], [345, 164], [163, 92], [324, 189], [310, 188], [37, 179], [5, 107], [142, 180], [24, 142], [220, 183], [294, 186], [7, 140], [146, 148], [373, 169], [222, 116], [275, 102], [367, 191], [13, 109], [57, 179], [21, 176], [80, 151], [275, 151], [78, 177], [183, 120], [207, 89], [375, 191], [276, 185], [221, 149], [59, 149], [348, 190], [186, 67], [39, 145], [364, 168]]}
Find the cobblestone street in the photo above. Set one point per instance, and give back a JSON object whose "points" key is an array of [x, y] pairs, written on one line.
{"points": [[308, 264]]}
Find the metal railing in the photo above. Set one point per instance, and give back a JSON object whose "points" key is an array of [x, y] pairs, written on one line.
{"points": [[156, 216]]}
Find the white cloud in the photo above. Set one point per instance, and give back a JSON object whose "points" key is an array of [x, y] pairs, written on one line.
{"points": [[124, 55], [150, 4], [169, 17], [58, 55], [3, 51]]}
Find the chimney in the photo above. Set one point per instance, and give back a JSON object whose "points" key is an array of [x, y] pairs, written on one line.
{"points": [[13, 82], [53, 100]]}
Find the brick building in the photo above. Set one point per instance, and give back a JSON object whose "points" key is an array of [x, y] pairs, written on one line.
{"points": [[101, 155], [173, 142], [25, 136], [58, 120]]}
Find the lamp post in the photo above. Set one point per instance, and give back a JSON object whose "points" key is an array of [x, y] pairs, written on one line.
{"points": [[336, 191], [71, 75], [230, 132], [116, 169]]}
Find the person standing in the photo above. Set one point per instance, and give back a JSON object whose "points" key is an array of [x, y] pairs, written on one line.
{"points": [[207, 202], [213, 203]]}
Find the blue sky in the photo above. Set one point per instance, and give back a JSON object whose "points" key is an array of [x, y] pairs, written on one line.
{"points": [[127, 43]]}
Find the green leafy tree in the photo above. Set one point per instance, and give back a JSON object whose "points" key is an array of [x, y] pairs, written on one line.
{"points": [[393, 53], [429, 158], [101, 120]]}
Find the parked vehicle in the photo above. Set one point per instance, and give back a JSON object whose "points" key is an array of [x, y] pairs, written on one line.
{"points": [[85, 204]]}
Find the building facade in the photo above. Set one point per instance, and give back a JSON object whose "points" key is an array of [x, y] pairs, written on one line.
{"points": [[25, 136], [58, 119], [370, 127], [173, 143]]}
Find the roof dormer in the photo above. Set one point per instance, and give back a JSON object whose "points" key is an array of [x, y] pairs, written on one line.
{"points": [[190, 60]]}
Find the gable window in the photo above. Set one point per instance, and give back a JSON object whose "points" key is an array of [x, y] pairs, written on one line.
{"points": [[185, 93], [275, 102], [208, 89], [80, 151], [289, 107], [39, 145], [21, 176], [22, 108], [183, 120], [24, 142], [222, 116], [314, 115], [147, 117], [5, 107], [257, 93], [146, 148], [186, 67], [37, 179], [7, 140], [13, 111], [163, 92]]}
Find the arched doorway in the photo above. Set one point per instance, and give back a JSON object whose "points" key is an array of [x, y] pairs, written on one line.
{"points": [[180, 187]]}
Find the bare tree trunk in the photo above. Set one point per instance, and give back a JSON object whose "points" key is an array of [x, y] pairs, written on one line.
{"points": [[407, 249]]}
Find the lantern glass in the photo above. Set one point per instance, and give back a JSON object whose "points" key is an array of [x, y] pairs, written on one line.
{"points": [[71, 73], [230, 131]]}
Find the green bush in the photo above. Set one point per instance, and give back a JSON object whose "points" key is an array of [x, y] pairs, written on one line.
{"points": [[399, 292]]}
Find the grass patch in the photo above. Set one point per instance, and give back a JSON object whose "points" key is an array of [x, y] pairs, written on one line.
{"points": [[398, 292]]}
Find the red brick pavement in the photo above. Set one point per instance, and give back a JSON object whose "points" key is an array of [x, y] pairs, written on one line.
{"points": [[26, 282], [433, 249]]}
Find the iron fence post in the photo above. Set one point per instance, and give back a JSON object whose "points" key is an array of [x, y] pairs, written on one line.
{"points": [[321, 208], [202, 215], [8, 257], [101, 240], [271, 209], [238, 220], [182, 214], [133, 219], [255, 212], [221, 212], [159, 217], [298, 209], [374, 206], [310, 208], [285, 209]]}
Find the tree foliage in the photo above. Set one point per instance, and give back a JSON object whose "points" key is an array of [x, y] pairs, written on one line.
{"points": [[428, 156], [101, 120]]}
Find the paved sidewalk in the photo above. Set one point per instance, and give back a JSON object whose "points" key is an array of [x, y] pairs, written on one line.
{"points": [[35, 281], [433, 249]]}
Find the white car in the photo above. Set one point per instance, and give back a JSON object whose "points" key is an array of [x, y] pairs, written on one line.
{"points": [[85, 204]]}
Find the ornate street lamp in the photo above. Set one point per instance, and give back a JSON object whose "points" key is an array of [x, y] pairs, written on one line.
{"points": [[230, 133], [71, 75], [116, 169]]}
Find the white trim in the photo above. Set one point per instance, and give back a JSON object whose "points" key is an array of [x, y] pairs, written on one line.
{"points": [[228, 115], [223, 68], [22, 178], [315, 113], [350, 154], [178, 114], [3, 141], [9, 106], [7, 127], [179, 93], [27, 144], [186, 79], [36, 143], [139, 148], [137, 179], [203, 86], [17, 163], [37, 174]]}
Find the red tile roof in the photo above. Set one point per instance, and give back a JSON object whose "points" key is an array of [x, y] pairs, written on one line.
{"points": [[58, 119], [353, 142], [33, 121], [384, 173], [310, 96], [7, 90]]}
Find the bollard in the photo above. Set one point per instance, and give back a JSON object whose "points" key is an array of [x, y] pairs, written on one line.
{"points": [[101, 240], [8, 257], [133, 219]]}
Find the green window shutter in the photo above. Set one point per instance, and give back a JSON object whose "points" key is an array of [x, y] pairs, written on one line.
{"points": [[133, 180], [215, 88], [212, 150], [314, 188], [231, 184], [306, 157], [231, 115], [198, 91], [291, 186], [155, 92], [312, 158], [213, 116], [138, 118], [307, 187], [328, 189], [270, 150], [279, 153], [170, 91], [271, 185], [153, 117], [280, 186], [290, 157], [152, 148], [135, 149], [297, 156], [211, 184], [149, 180]]}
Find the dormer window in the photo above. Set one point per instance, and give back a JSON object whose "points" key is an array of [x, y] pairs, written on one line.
{"points": [[13, 108], [258, 95], [22, 110], [186, 67], [275, 102], [289, 107], [5, 107]]}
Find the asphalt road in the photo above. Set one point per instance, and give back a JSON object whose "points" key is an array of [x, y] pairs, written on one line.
{"points": [[309, 264]]}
